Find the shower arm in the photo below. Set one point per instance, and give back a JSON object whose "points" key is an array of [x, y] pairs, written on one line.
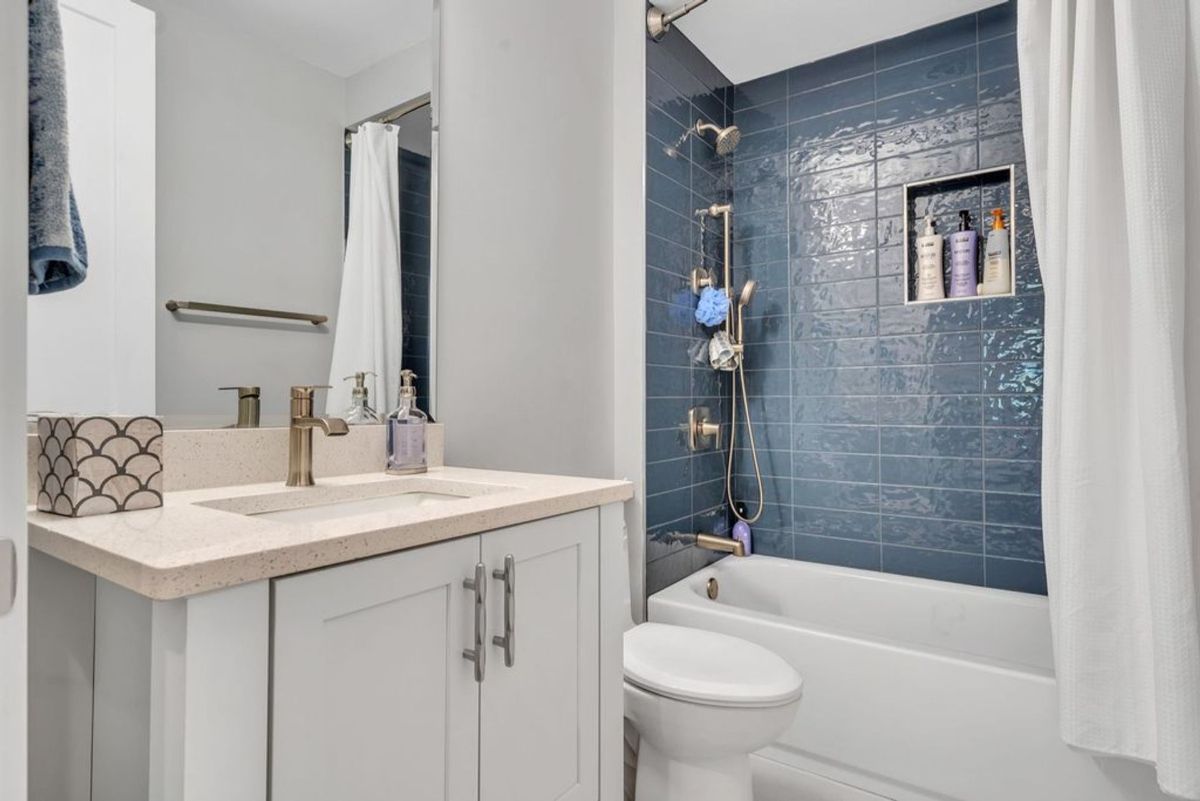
{"points": [[658, 22]]}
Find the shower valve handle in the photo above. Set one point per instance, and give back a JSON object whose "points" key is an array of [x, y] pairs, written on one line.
{"points": [[702, 433]]}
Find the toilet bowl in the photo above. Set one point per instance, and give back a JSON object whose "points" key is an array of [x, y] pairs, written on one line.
{"points": [[701, 702]]}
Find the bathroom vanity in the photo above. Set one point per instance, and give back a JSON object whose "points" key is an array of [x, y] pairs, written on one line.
{"points": [[453, 635]]}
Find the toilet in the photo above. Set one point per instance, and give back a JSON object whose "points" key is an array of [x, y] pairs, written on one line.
{"points": [[701, 703]]}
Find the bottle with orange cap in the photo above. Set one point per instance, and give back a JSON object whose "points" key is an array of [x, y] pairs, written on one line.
{"points": [[997, 260]]}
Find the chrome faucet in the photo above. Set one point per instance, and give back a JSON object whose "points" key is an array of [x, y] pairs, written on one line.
{"points": [[713, 542], [300, 435]]}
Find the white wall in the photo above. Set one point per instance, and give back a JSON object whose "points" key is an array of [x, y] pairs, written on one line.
{"points": [[397, 79], [14, 257], [92, 348], [629, 276], [525, 304], [250, 206]]}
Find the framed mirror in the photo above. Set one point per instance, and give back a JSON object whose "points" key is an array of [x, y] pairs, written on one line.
{"points": [[210, 154]]}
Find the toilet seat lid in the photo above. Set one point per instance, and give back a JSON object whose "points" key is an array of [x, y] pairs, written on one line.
{"points": [[707, 668]]}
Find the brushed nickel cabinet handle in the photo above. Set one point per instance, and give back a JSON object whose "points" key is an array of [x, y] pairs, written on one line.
{"points": [[509, 641], [478, 654]]}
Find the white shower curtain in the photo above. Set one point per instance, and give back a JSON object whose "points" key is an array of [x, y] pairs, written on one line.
{"points": [[1111, 105], [368, 334]]}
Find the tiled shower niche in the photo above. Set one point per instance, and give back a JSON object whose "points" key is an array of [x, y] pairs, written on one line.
{"points": [[977, 192]]}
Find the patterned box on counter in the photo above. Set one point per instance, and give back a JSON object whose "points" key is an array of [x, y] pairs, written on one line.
{"points": [[96, 465]]}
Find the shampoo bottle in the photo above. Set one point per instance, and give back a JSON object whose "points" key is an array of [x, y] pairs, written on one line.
{"points": [[406, 431], [930, 285], [360, 411], [964, 275], [997, 261]]}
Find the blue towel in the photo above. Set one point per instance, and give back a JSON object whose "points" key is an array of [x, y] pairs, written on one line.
{"points": [[57, 247]]}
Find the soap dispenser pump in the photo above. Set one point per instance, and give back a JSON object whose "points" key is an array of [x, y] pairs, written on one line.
{"points": [[360, 412], [406, 431]]}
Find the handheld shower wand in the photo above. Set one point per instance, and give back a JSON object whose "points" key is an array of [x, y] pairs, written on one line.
{"points": [[744, 298]]}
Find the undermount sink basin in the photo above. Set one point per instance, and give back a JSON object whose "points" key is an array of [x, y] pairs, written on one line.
{"points": [[363, 506], [333, 501]]}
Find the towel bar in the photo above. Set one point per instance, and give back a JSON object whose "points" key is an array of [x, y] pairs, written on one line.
{"points": [[191, 305]]}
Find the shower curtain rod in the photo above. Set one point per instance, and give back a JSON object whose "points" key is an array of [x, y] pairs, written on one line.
{"points": [[658, 22], [392, 115]]}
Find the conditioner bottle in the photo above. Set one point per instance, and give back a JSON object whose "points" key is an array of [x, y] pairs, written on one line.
{"points": [[964, 256], [997, 261]]}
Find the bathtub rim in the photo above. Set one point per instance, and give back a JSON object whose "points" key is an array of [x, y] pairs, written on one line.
{"points": [[690, 592]]}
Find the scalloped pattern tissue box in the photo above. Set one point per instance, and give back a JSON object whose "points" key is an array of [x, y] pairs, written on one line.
{"points": [[94, 465]]}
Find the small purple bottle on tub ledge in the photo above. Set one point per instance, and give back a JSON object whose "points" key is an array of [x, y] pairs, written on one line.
{"points": [[741, 533]]}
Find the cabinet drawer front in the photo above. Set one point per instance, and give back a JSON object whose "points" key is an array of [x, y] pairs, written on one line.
{"points": [[539, 718], [372, 699]]}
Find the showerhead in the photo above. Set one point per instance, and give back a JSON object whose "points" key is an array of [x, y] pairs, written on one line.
{"points": [[725, 143], [747, 293], [727, 140]]}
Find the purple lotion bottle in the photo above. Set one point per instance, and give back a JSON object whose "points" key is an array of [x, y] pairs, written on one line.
{"points": [[741, 533], [964, 258]]}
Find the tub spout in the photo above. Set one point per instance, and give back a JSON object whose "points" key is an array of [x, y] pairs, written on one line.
{"points": [[711, 542]]}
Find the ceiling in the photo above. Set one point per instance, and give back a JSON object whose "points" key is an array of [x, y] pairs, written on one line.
{"points": [[747, 39], [342, 37]]}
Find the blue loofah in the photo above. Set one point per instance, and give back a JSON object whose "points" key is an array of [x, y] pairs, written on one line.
{"points": [[713, 307]]}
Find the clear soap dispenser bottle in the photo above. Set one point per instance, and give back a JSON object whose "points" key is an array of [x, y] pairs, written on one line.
{"points": [[406, 431], [360, 412]]}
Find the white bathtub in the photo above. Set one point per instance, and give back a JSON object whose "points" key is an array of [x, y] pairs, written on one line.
{"points": [[914, 690]]}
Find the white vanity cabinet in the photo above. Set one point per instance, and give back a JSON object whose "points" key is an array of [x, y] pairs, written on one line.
{"points": [[326, 667], [539, 715], [373, 697]]}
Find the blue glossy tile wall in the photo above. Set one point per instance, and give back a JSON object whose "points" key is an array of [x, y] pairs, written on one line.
{"points": [[895, 438], [415, 227], [684, 491]]}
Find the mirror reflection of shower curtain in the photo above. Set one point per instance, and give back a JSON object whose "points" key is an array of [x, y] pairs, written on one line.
{"points": [[368, 334]]}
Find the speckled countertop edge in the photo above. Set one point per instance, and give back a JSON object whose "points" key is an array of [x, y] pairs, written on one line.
{"points": [[186, 548]]}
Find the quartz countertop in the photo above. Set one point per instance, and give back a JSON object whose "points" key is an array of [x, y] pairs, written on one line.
{"points": [[205, 539]]}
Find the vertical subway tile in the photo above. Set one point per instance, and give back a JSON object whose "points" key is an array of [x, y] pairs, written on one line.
{"points": [[940, 38], [834, 551], [833, 69], [1017, 575], [945, 565], [834, 97], [927, 71]]}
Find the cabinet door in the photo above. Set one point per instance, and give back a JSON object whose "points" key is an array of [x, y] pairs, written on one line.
{"points": [[372, 699], [539, 718]]}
